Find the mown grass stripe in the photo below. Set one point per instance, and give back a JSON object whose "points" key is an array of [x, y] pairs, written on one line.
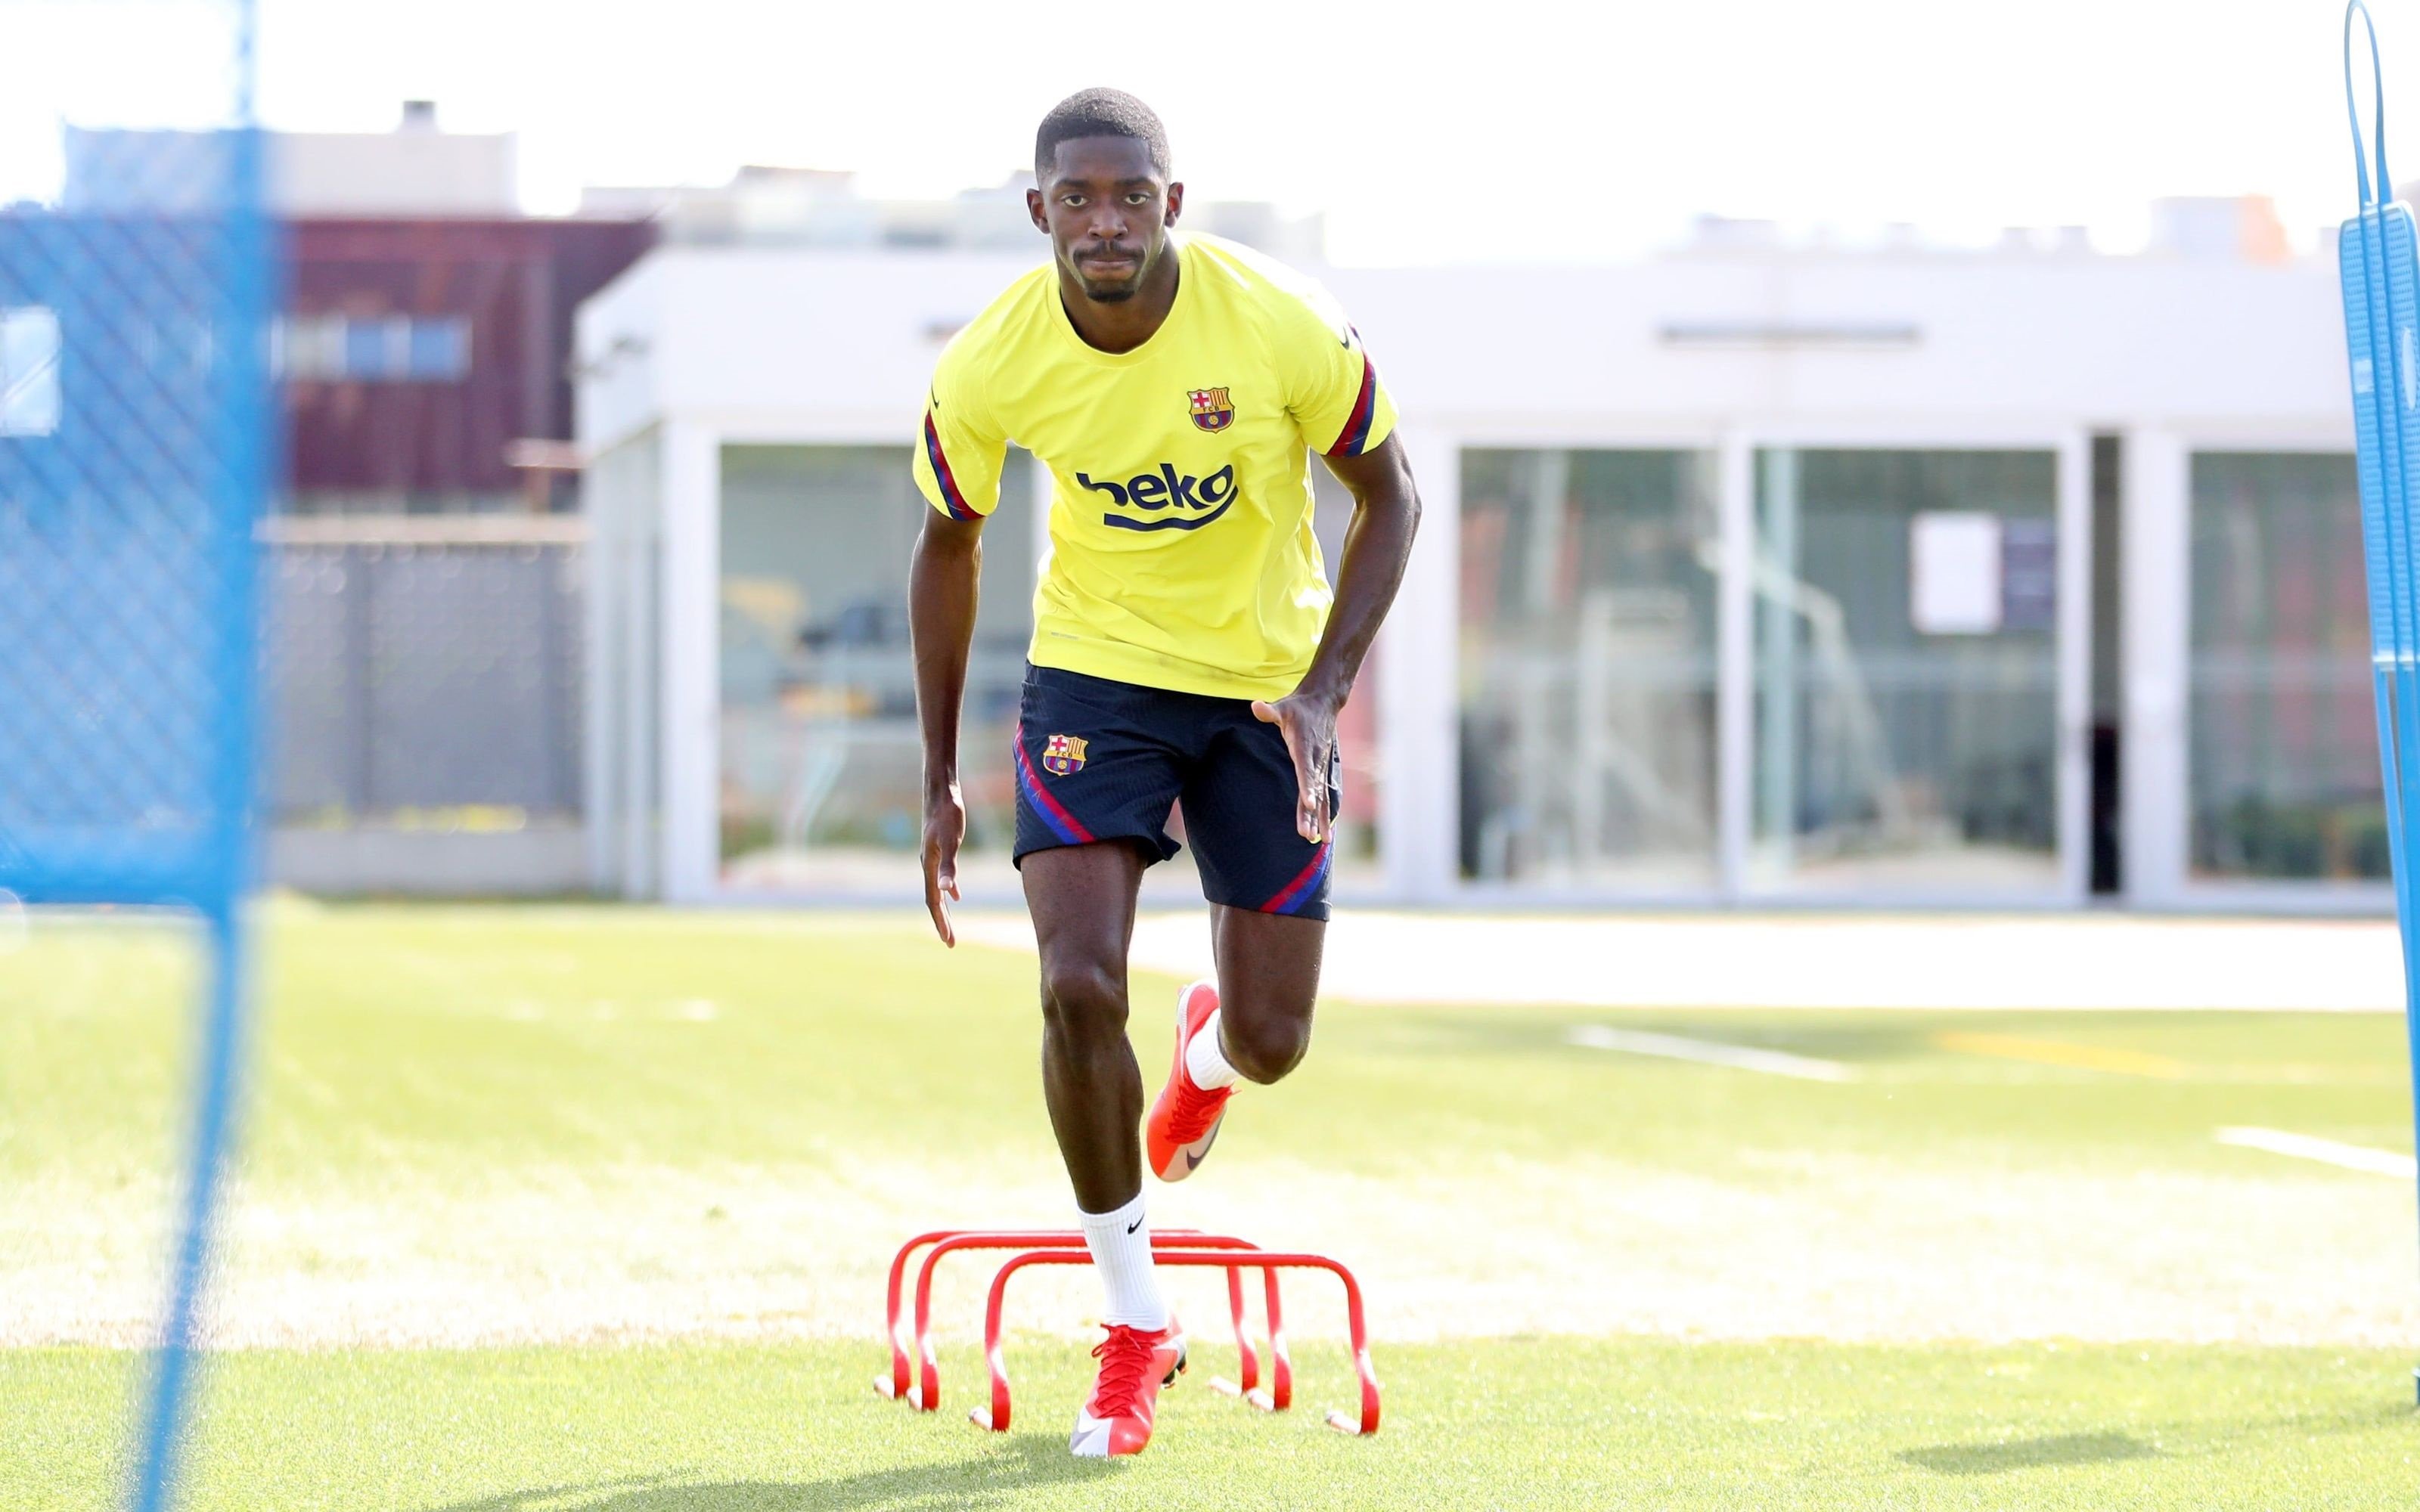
{"points": [[2062, 1053], [1711, 1053]]}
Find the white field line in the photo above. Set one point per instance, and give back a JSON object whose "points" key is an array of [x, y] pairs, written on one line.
{"points": [[2326, 1151], [1711, 1053]]}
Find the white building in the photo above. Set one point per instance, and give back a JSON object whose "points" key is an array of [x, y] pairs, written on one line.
{"points": [[415, 170], [1748, 574], [827, 209]]}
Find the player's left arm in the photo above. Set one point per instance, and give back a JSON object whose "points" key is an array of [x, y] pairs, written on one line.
{"points": [[1378, 544]]}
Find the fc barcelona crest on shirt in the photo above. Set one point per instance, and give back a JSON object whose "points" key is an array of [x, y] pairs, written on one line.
{"points": [[1211, 409], [1062, 754]]}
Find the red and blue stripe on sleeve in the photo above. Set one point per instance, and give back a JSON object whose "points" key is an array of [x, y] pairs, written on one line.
{"points": [[1356, 435], [952, 499]]}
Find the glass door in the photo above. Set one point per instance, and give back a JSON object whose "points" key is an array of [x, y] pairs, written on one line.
{"points": [[1587, 608], [1905, 736], [821, 780], [2282, 744]]}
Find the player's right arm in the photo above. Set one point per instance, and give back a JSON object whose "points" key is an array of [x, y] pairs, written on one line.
{"points": [[957, 465]]}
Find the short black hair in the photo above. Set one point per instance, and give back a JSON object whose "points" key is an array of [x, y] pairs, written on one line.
{"points": [[1099, 113]]}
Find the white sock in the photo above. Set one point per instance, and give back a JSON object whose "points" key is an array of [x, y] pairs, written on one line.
{"points": [[1121, 1246], [1206, 1060]]}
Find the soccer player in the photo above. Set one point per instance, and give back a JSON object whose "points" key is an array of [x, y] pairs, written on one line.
{"points": [[1186, 651]]}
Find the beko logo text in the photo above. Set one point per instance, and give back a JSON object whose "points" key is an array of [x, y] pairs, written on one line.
{"points": [[1167, 488]]}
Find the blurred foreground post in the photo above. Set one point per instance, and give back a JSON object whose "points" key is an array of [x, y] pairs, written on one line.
{"points": [[2381, 270], [134, 463]]}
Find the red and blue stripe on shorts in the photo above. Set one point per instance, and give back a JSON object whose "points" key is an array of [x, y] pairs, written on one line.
{"points": [[1052, 812], [1304, 887]]}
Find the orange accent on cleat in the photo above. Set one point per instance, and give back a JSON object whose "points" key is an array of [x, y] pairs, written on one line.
{"points": [[1116, 1419], [1184, 1119]]}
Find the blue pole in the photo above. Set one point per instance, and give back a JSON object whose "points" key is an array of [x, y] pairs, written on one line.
{"points": [[2380, 270], [244, 441], [220, 1050]]}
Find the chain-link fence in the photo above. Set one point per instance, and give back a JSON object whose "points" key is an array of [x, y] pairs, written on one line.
{"points": [[424, 671], [135, 286]]}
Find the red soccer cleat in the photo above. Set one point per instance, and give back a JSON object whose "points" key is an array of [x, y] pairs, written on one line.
{"points": [[1116, 1418], [1184, 1119]]}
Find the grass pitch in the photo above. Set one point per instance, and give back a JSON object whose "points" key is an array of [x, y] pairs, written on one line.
{"points": [[1500, 1423], [586, 1209]]}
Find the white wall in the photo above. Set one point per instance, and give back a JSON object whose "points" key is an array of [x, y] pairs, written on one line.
{"points": [[393, 173], [792, 342], [720, 344]]}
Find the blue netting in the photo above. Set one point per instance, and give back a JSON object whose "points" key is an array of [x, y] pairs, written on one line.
{"points": [[126, 558], [2377, 259], [135, 281]]}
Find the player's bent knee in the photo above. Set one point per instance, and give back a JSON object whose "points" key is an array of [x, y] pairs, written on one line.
{"points": [[1264, 1049], [1083, 997]]}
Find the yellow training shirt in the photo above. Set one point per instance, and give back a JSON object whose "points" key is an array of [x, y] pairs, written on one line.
{"points": [[1181, 550]]}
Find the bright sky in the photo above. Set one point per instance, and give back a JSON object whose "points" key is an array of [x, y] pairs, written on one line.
{"points": [[1494, 129]]}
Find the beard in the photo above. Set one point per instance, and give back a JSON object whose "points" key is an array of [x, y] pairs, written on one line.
{"points": [[1118, 290]]}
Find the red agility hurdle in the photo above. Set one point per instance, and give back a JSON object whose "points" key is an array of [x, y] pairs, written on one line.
{"points": [[996, 1417], [925, 1392]]}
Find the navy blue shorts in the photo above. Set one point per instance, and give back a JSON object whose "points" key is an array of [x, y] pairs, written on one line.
{"points": [[1098, 759]]}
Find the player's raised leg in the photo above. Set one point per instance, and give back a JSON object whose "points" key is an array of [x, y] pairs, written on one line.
{"points": [[1082, 899], [1253, 1023], [1264, 868]]}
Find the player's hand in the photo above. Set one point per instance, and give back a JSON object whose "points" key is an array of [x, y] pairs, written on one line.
{"points": [[945, 826], [1307, 721]]}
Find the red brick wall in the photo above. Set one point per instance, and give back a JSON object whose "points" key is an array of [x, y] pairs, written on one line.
{"points": [[516, 282]]}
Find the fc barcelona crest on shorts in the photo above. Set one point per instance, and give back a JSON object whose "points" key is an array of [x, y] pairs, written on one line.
{"points": [[1063, 755], [1211, 409]]}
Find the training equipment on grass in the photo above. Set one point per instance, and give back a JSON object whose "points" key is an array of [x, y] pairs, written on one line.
{"points": [[135, 435], [2381, 270], [1183, 1248], [925, 1392]]}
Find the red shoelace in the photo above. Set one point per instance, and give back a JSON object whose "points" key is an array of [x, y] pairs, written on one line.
{"points": [[1190, 1116], [1125, 1359]]}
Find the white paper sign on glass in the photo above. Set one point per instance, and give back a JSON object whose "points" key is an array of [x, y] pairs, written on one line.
{"points": [[1954, 572]]}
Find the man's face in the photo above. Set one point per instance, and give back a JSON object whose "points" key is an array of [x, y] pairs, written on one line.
{"points": [[1107, 212]]}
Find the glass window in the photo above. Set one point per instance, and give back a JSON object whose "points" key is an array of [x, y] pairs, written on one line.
{"points": [[382, 349], [308, 347], [1905, 671], [2283, 754], [29, 371], [371, 347], [1588, 668], [440, 349], [822, 765]]}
